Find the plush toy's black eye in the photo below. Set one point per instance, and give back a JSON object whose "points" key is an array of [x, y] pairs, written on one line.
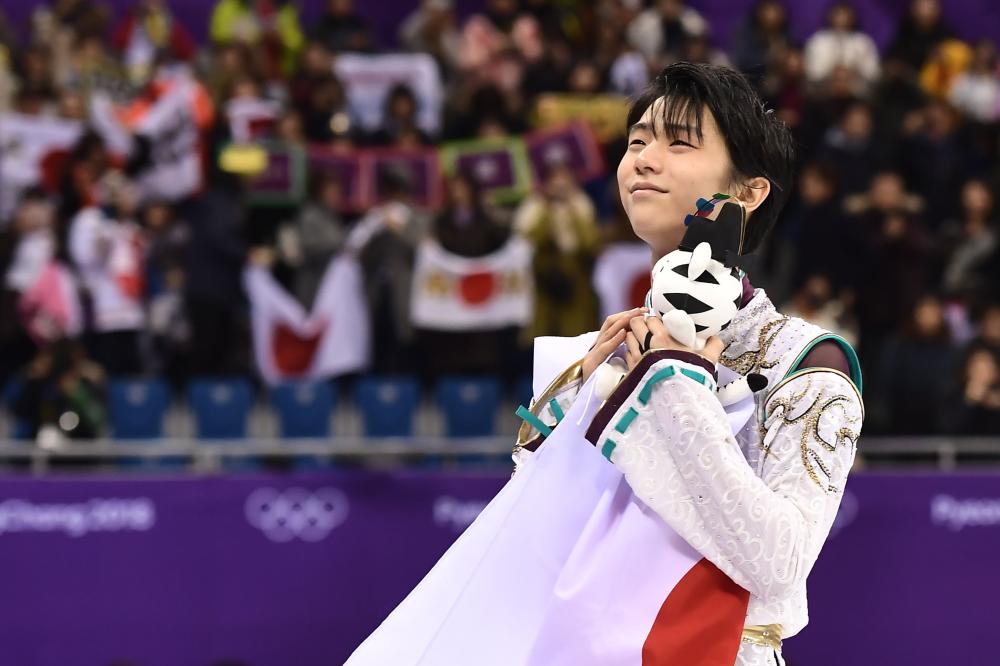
{"points": [[706, 278]]}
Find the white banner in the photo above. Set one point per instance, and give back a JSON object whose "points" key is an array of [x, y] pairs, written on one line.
{"points": [[25, 141], [170, 125], [621, 277], [453, 293], [367, 80], [290, 343]]}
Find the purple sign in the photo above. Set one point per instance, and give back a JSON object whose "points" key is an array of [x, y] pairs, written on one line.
{"points": [[269, 570]]}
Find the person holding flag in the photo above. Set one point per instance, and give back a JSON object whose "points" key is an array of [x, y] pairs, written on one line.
{"points": [[653, 521]]}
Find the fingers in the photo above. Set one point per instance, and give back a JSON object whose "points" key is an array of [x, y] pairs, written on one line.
{"points": [[713, 349], [605, 348], [615, 323], [633, 353], [659, 329], [639, 327]]}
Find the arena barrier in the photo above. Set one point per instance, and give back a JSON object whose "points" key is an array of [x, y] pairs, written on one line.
{"points": [[279, 569]]}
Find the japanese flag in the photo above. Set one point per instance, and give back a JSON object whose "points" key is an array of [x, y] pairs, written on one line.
{"points": [[290, 343]]}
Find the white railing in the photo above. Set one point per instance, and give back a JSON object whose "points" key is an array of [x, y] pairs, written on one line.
{"points": [[207, 456]]}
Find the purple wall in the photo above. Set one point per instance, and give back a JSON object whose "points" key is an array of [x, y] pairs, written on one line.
{"points": [[279, 570], [972, 19]]}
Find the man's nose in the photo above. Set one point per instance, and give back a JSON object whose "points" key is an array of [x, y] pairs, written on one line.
{"points": [[648, 161]]}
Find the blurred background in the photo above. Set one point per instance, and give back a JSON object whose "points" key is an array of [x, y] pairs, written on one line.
{"points": [[271, 272]]}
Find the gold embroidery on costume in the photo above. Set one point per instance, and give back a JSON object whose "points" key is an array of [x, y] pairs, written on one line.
{"points": [[754, 361], [811, 459]]}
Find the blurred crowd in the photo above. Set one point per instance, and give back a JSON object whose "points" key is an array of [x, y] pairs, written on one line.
{"points": [[889, 239]]}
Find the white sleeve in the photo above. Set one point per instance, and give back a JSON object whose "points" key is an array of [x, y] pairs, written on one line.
{"points": [[679, 456]]}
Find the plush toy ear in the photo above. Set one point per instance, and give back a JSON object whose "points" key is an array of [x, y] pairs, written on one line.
{"points": [[700, 257]]}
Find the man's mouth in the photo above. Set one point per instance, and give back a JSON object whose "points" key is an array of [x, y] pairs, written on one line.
{"points": [[646, 187]]}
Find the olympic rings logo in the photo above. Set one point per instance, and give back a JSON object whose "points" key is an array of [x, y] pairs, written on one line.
{"points": [[296, 513]]}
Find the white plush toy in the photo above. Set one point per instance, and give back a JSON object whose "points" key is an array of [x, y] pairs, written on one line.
{"points": [[697, 290], [696, 295]]}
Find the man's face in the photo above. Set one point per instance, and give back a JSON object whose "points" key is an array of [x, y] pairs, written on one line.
{"points": [[663, 173]]}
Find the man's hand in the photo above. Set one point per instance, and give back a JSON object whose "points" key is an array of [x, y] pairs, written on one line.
{"points": [[640, 329], [612, 334]]}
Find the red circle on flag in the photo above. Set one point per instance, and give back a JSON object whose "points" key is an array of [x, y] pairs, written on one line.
{"points": [[293, 353], [477, 288], [637, 291]]}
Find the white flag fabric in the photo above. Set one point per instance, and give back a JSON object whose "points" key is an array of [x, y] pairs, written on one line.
{"points": [[170, 125], [621, 277], [25, 141], [291, 344], [368, 78], [564, 567], [454, 293]]}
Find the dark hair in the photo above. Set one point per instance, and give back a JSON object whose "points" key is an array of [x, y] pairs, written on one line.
{"points": [[759, 144]]}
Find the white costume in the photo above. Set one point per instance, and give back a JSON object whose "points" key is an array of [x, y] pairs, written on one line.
{"points": [[759, 505]]}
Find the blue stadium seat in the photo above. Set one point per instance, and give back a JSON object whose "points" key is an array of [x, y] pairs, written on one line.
{"points": [[221, 406], [303, 408], [137, 407], [19, 429], [387, 405], [469, 405]]}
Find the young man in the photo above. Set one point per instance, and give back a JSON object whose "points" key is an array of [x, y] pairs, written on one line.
{"points": [[758, 505], [693, 545]]}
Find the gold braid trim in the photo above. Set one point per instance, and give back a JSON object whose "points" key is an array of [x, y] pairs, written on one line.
{"points": [[753, 361], [811, 459]]}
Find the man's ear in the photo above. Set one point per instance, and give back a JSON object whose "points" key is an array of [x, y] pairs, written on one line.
{"points": [[754, 192]]}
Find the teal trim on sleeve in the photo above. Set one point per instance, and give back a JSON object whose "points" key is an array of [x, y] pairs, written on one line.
{"points": [[697, 376], [556, 410], [853, 364], [608, 449], [626, 420], [647, 390], [535, 422], [667, 372]]}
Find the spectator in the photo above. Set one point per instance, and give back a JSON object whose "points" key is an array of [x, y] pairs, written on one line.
{"points": [[976, 92], [325, 117], [970, 243], [784, 88], [762, 38], [62, 394], [213, 265], [817, 230], [147, 30], [466, 227], [841, 43], [920, 31], [385, 240], [431, 28], [107, 248], [341, 29], [916, 364], [658, 33], [559, 221], [399, 121], [891, 249], [310, 241], [975, 410], [816, 303], [270, 26], [852, 147], [934, 157]]}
